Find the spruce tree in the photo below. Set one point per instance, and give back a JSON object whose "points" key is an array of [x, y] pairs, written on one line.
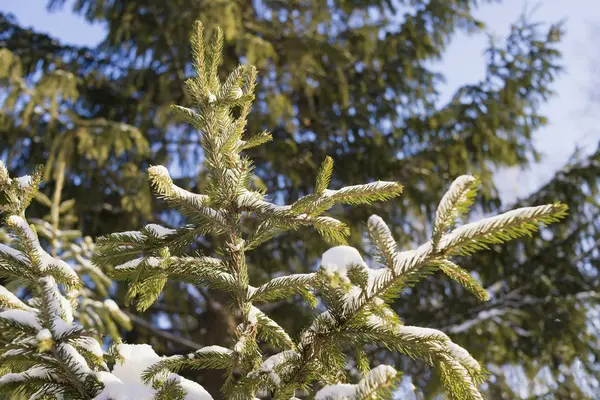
{"points": [[44, 353], [333, 97], [48, 104], [354, 298]]}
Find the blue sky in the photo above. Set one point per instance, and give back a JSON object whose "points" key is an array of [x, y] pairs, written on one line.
{"points": [[572, 122]]}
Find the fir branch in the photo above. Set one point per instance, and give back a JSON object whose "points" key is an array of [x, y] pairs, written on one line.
{"points": [[174, 195], [210, 357], [324, 176], [281, 287], [365, 194], [381, 237], [465, 279], [269, 330], [455, 202], [501, 228]]}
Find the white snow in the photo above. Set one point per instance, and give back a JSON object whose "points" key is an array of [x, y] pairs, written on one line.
{"points": [[106, 377], [22, 317], [14, 253], [114, 389], [81, 366], [11, 298], [255, 200], [60, 327], [131, 264], [339, 258], [456, 194], [377, 321], [14, 352], [18, 222], [159, 170], [34, 372], [274, 361], [463, 356], [253, 315], [46, 261], [136, 235], [159, 231], [125, 382], [406, 260], [369, 187], [153, 261], [489, 225], [90, 344], [61, 311], [422, 332], [459, 354], [240, 344], [341, 391], [43, 335], [211, 98], [236, 92], [137, 358], [67, 309], [215, 349], [344, 391], [197, 199], [325, 318], [193, 390], [24, 181], [380, 374]]}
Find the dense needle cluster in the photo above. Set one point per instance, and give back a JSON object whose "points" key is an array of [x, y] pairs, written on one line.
{"points": [[352, 297]]}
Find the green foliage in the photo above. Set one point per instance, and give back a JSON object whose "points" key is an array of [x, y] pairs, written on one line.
{"points": [[368, 95], [43, 352], [465, 279], [354, 294]]}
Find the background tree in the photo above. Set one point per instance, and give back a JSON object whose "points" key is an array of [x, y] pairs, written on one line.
{"points": [[353, 80]]}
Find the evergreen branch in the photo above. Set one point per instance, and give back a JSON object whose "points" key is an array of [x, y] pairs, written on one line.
{"points": [[171, 389], [255, 140], [188, 115], [460, 372], [332, 230], [324, 176], [214, 59], [199, 53], [465, 279], [210, 357], [456, 201], [281, 287], [475, 236], [381, 237], [365, 194], [174, 195], [270, 331]]}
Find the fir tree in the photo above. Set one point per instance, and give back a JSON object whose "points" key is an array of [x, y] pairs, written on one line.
{"points": [[67, 135], [355, 297], [334, 97], [44, 352]]}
